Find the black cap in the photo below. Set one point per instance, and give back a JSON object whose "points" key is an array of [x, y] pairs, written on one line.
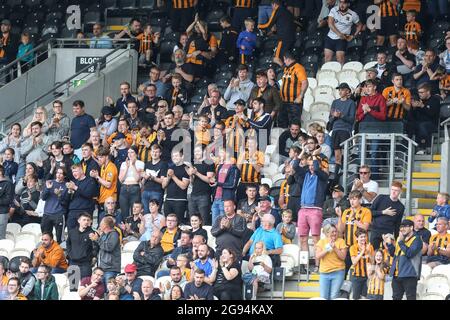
{"points": [[338, 187], [240, 102], [407, 223], [118, 136], [6, 21], [108, 110], [265, 199], [344, 85]]}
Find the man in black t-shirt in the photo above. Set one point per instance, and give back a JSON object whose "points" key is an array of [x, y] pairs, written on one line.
{"points": [[402, 59], [155, 171], [202, 174], [198, 289], [176, 183]]}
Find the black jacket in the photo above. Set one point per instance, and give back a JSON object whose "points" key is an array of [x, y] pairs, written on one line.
{"points": [[150, 261], [83, 198], [47, 165], [80, 249], [6, 196], [284, 21]]}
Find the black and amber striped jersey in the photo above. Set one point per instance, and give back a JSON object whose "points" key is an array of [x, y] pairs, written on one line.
{"points": [[399, 252], [183, 4], [388, 8], [396, 110], [360, 268], [440, 242], [235, 136], [144, 152], [291, 86], [363, 215], [412, 31], [247, 164], [145, 42], [284, 191], [243, 3], [375, 286]]}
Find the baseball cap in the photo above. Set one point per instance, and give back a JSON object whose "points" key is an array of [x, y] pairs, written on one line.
{"points": [[108, 110], [240, 102], [344, 85], [338, 187], [265, 199], [130, 268], [372, 70], [118, 136], [407, 223], [6, 21]]}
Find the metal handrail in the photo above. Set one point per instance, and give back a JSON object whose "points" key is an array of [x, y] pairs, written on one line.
{"points": [[445, 122], [392, 141], [97, 64], [14, 63]]}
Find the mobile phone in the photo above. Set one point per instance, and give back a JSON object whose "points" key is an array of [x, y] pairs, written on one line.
{"points": [[256, 263]]}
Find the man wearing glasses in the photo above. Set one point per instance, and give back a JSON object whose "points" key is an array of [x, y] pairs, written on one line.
{"points": [[368, 187], [92, 288]]}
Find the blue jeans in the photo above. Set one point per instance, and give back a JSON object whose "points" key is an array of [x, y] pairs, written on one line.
{"points": [[264, 13], [330, 284], [217, 210], [150, 195]]}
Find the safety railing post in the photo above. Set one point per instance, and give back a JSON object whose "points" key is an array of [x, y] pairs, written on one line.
{"points": [[409, 177], [363, 148], [392, 159], [345, 165]]}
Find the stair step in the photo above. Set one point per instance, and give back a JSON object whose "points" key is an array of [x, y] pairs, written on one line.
{"points": [[423, 203], [424, 212], [308, 284], [426, 157], [426, 175], [301, 295], [419, 193]]}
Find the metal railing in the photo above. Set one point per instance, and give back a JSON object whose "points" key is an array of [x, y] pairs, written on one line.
{"points": [[390, 157], [445, 152], [66, 84]]}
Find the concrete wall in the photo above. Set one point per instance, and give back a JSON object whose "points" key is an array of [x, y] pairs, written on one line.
{"points": [[20, 91]]}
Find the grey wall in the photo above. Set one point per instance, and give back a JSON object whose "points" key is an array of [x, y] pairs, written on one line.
{"points": [[24, 89]]}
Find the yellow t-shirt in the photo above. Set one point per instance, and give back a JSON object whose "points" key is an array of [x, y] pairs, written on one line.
{"points": [[167, 241], [331, 262]]}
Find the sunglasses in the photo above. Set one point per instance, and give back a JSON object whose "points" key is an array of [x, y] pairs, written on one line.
{"points": [[364, 172]]}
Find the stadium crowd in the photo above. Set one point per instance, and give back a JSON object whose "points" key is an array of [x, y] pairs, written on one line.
{"points": [[152, 169]]}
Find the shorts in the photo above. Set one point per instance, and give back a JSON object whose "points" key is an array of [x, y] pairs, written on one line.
{"points": [[335, 44], [337, 137], [282, 47], [309, 218], [389, 26]]}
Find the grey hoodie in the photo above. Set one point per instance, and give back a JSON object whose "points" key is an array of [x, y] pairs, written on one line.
{"points": [[233, 94]]}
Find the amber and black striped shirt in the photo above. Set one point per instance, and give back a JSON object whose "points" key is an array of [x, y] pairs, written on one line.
{"points": [[145, 42], [376, 284], [284, 191], [442, 242], [388, 8], [243, 3], [363, 215], [248, 170], [292, 82], [144, 153], [235, 138], [396, 110], [183, 4], [360, 269], [412, 31]]}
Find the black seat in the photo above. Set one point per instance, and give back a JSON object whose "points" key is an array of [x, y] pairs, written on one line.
{"points": [[5, 262], [313, 46], [13, 3], [32, 4], [92, 17], [128, 4], [224, 75], [14, 263], [212, 19], [171, 36], [147, 4], [49, 29], [109, 4], [437, 44], [197, 99], [313, 58], [166, 50]]}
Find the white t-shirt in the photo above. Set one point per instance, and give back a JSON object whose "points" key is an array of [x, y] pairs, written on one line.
{"points": [[342, 21], [259, 269], [371, 186], [130, 177]]}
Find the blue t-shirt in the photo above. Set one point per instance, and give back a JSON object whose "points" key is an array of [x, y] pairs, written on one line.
{"points": [[271, 238], [80, 130], [207, 267]]}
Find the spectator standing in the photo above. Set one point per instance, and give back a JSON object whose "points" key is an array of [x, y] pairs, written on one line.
{"points": [[331, 252], [79, 195], [227, 46], [81, 250], [376, 274], [388, 22], [9, 45], [246, 42], [398, 99], [362, 254], [239, 87], [80, 126], [387, 213], [58, 123], [407, 258]]}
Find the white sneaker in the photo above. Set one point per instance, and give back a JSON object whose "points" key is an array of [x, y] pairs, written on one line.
{"points": [[420, 152]]}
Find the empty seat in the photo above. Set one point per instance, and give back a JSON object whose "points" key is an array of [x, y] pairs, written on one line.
{"points": [[347, 75], [325, 98], [166, 49], [443, 269], [332, 65], [26, 244], [323, 89], [148, 278], [32, 227], [130, 246], [92, 17], [312, 83], [25, 235], [7, 244], [127, 4], [433, 296], [354, 65], [162, 280], [332, 82], [308, 100], [320, 116], [126, 258], [109, 4], [19, 252], [319, 107], [32, 4], [325, 74], [13, 228], [369, 65]]}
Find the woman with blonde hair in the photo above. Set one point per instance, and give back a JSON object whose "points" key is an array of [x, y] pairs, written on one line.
{"points": [[40, 114], [331, 252]]}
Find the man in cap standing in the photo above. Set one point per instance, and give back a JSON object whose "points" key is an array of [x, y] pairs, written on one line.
{"points": [[407, 261], [9, 44]]}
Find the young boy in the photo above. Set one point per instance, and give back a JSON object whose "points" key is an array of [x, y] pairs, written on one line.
{"points": [[10, 166], [148, 43], [176, 94], [246, 42], [227, 47], [442, 208], [264, 190], [25, 47], [286, 228], [413, 29]]}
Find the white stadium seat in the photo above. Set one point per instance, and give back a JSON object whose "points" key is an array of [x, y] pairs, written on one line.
{"points": [[324, 98], [323, 89], [70, 296], [26, 244], [162, 280], [148, 278], [267, 180], [4, 253], [33, 228], [353, 65], [438, 284], [312, 83], [332, 65], [332, 82], [369, 65], [325, 74], [26, 235], [13, 227], [7, 244], [432, 296], [308, 100], [443, 269], [19, 253], [126, 258], [362, 76], [320, 107], [130, 246]]}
